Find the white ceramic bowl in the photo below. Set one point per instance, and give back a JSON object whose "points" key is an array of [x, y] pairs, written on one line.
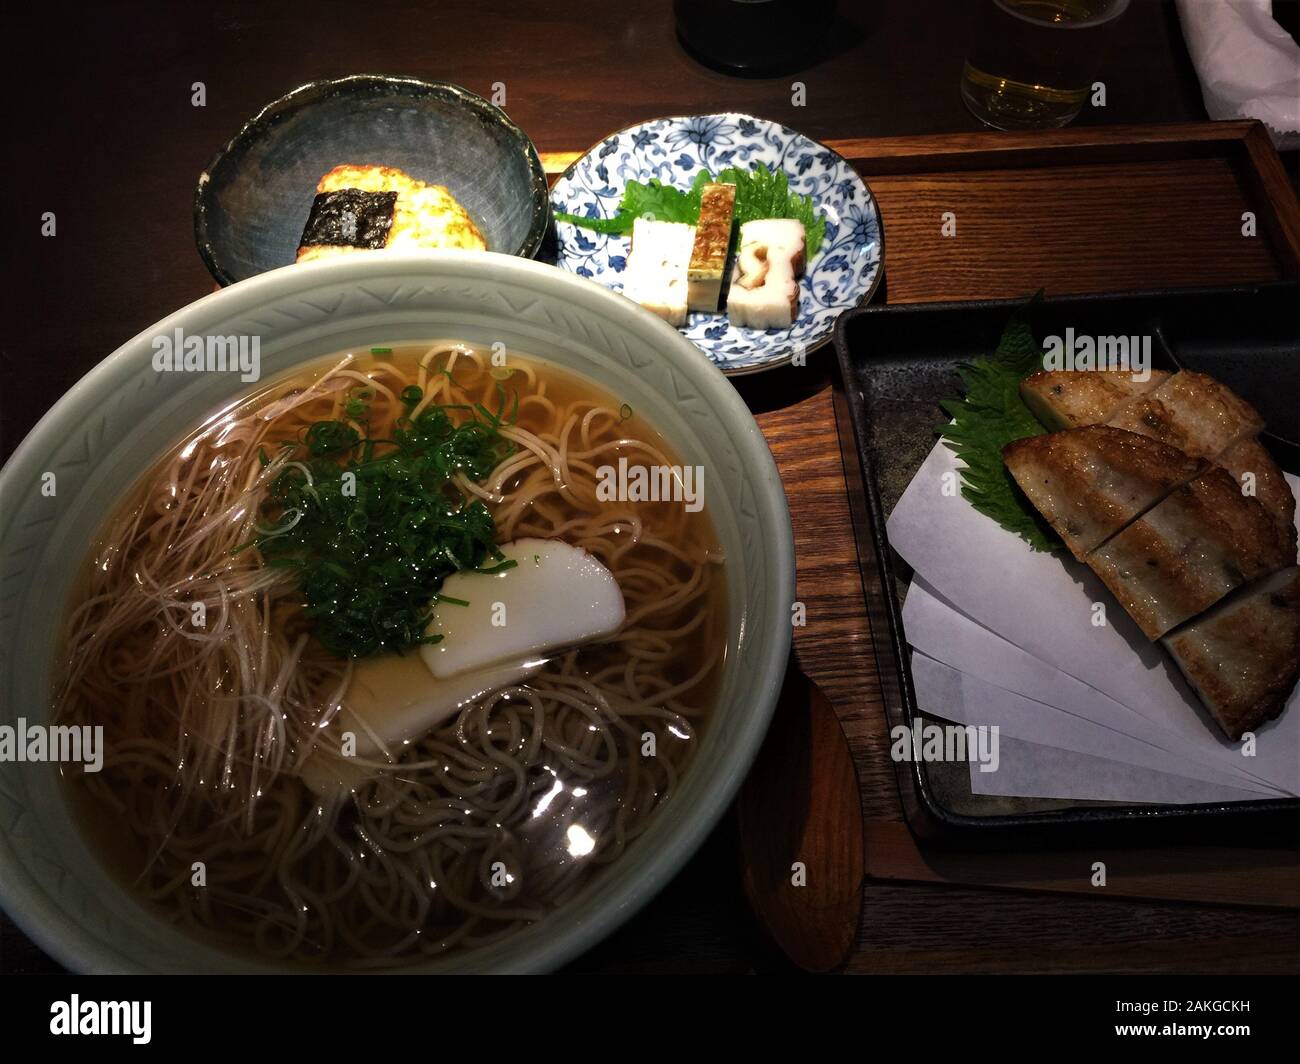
{"points": [[108, 428]]}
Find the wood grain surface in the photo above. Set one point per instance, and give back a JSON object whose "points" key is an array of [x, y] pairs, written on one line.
{"points": [[802, 841], [1089, 220], [987, 215], [930, 924], [108, 138]]}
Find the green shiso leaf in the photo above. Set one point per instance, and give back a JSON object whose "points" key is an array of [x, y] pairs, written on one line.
{"points": [[663, 202], [651, 199], [760, 193], [990, 415], [764, 193]]}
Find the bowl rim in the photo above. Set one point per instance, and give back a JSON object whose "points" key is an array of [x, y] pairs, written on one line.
{"points": [[39, 915], [311, 91], [862, 302]]}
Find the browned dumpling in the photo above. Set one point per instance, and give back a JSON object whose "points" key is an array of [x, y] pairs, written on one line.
{"points": [[1070, 399], [1192, 412], [1181, 557], [1165, 491], [1251, 466], [1091, 482], [1243, 657]]}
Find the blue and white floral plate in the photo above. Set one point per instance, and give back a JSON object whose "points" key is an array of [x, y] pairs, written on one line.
{"points": [[843, 274]]}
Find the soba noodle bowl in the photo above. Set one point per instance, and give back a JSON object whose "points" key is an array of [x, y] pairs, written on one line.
{"points": [[478, 828]]}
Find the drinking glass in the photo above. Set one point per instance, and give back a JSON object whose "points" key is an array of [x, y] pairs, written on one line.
{"points": [[1033, 62]]}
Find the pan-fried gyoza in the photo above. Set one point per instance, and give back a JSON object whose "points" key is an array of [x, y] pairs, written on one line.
{"points": [[1163, 489], [1091, 482]]}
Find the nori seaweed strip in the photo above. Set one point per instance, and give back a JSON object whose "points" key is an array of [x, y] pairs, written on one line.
{"points": [[350, 217]]}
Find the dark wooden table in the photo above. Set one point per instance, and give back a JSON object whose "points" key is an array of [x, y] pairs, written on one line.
{"points": [[105, 135]]}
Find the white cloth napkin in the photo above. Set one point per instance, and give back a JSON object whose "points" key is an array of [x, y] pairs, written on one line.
{"points": [[1248, 65]]}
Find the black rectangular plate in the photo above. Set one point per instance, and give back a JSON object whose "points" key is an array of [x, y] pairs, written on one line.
{"points": [[896, 363]]}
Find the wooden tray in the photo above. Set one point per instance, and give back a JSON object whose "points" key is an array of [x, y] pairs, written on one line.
{"points": [[1102, 209], [1084, 210]]}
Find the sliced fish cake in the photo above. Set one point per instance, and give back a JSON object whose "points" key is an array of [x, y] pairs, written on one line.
{"points": [[1243, 657], [1070, 399], [764, 291], [1190, 550], [657, 268], [1192, 412], [1088, 483]]}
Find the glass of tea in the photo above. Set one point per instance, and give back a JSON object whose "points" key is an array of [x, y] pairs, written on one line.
{"points": [[1033, 61]]}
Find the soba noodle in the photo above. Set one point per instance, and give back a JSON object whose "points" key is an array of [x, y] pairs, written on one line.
{"points": [[481, 827]]}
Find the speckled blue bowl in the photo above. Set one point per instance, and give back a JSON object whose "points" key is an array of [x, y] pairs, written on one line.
{"points": [[253, 199], [844, 273]]}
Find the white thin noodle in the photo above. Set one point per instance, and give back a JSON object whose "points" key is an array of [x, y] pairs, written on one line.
{"points": [[470, 836]]}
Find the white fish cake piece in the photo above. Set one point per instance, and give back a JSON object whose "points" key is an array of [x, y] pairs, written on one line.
{"points": [[556, 596], [391, 701], [396, 698], [656, 275], [764, 291]]}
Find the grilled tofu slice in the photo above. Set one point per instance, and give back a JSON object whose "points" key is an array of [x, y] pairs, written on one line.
{"points": [[1090, 482], [1186, 553], [1192, 412], [712, 245], [1070, 399], [1243, 657], [1252, 467], [370, 208]]}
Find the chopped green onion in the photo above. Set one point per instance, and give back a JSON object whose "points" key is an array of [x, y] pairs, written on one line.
{"points": [[380, 522]]}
